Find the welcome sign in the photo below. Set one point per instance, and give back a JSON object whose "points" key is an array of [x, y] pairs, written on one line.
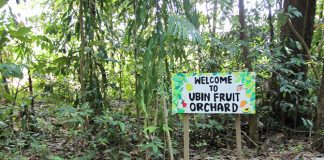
{"points": [[232, 93]]}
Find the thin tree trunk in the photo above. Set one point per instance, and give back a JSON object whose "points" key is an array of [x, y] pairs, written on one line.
{"points": [[253, 128], [271, 30], [32, 103], [319, 121], [320, 110], [136, 75], [245, 53], [31, 92], [165, 115], [213, 47], [273, 85], [212, 28], [81, 52], [5, 83], [4, 79], [104, 84], [7, 91], [120, 77], [208, 17]]}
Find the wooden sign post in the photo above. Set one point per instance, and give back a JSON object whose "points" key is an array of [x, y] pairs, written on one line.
{"points": [[227, 93], [186, 136], [238, 136]]}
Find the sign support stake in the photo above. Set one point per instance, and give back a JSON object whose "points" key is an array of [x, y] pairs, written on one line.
{"points": [[238, 136], [186, 136]]}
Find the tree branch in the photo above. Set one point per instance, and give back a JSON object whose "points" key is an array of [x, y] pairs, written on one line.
{"points": [[302, 41]]}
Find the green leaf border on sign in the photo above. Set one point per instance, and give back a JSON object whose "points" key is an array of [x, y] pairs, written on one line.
{"points": [[177, 86], [248, 81]]}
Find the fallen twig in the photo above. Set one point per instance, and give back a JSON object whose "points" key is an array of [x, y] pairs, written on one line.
{"points": [[298, 156], [315, 141], [256, 145], [296, 131]]}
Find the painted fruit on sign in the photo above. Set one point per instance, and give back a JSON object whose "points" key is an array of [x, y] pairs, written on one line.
{"points": [[189, 87]]}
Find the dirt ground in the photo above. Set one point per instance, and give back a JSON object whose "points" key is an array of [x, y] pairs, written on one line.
{"points": [[276, 147]]}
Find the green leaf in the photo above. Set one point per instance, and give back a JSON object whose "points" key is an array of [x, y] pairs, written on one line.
{"points": [[2, 3], [24, 39], [21, 34], [155, 149], [252, 97], [55, 158], [308, 123], [125, 153], [293, 11], [9, 97], [87, 49], [181, 110], [23, 31], [122, 126], [150, 129], [11, 70], [166, 128], [142, 14], [181, 26]]}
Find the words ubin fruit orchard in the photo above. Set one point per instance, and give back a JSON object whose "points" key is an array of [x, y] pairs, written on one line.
{"points": [[214, 93]]}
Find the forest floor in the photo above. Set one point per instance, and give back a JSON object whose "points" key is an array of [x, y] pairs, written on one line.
{"points": [[276, 147]]}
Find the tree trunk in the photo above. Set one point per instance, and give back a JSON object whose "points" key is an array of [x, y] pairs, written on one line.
{"points": [[213, 32], [212, 29], [271, 28], [245, 50], [81, 52], [31, 111], [104, 83], [319, 123], [300, 29], [136, 72], [253, 119], [168, 136], [320, 111], [5, 84], [304, 26]]}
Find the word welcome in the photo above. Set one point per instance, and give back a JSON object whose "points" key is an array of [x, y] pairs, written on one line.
{"points": [[213, 80]]}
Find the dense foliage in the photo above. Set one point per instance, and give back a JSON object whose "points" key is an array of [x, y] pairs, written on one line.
{"points": [[91, 79]]}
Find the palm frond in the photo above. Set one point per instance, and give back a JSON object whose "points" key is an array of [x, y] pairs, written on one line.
{"points": [[179, 25]]}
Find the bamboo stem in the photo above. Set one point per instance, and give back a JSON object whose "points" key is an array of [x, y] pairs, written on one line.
{"points": [[167, 130]]}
